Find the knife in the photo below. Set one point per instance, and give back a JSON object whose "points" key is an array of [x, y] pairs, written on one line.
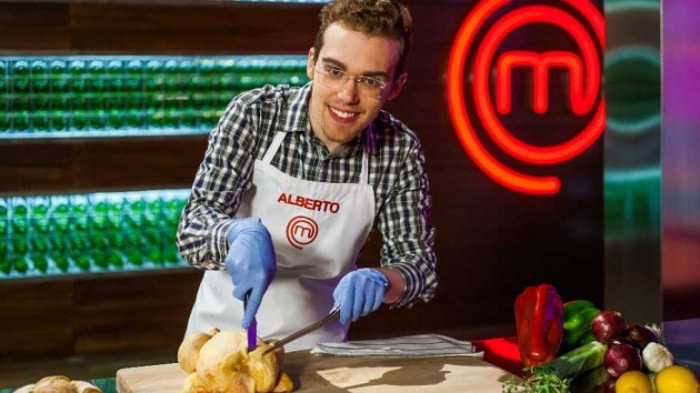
{"points": [[253, 329], [333, 316]]}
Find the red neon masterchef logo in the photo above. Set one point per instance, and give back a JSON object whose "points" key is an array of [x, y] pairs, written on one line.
{"points": [[584, 90]]}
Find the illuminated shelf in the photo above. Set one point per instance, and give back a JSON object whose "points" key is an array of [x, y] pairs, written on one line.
{"points": [[107, 96], [51, 235]]}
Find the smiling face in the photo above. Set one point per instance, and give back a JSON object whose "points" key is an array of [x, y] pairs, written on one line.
{"points": [[339, 115]]}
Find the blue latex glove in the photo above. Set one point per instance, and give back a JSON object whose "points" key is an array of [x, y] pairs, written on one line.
{"points": [[250, 262], [359, 293]]}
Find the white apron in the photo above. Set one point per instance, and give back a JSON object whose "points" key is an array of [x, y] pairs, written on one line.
{"points": [[317, 229]]}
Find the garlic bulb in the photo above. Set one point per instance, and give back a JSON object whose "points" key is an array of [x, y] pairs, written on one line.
{"points": [[656, 357]]}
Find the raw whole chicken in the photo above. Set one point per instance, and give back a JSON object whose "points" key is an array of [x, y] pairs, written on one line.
{"points": [[219, 362]]}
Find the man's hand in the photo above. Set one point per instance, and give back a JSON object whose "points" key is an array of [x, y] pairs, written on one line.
{"points": [[359, 293], [250, 262]]}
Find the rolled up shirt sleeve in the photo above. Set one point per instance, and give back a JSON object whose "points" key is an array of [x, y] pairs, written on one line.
{"points": [[221, 179], [409, 238]]}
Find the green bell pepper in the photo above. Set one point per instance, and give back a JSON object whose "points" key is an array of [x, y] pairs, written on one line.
{"points": [[578, 315]]}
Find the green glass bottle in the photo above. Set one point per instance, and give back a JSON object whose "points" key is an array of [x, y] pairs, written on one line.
{"points": [[100, 258], [114, 215], [114, 89], [186, 71], [172, 76], [58, 77], [20, 121], [116, 240], [153, 73], [20, 76], [60, 219], [172, 119], [115, 259], [115, 119], [20, 225], [171, 256], [58, 121], [134, 70], [93, 101], [190, 119], [99, 240], [20, 218], [39, 102], [61, 261], [3, 77], [58, 244], [79, 217], [19, 265], [156, 119], [60, 102], [39, 262], [19, 246], [134, 257], [3, 215], [81, 261], [96, 68], [40, 121], [135, 118], [97, 120], [5, 122], [5, 266], [114, 68], [39, 76], [78, 79], [154, 255], [40, 216], [20, 102], [99, 215], [39, 244], [79, 120]]}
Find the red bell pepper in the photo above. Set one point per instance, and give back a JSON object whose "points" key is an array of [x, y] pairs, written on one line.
{"points": [[539, 324]]}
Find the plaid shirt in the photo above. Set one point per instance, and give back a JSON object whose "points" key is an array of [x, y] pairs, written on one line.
{"points": [[396, 173]]}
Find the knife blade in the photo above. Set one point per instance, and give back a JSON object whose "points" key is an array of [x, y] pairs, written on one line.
{"points": [[253, 329], [333, 316]]}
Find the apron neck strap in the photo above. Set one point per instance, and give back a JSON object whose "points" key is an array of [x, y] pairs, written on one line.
{"points": [[274, 146], [277, 142]]}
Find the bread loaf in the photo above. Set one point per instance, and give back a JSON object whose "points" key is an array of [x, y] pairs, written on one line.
{"points": [[58, 384]]}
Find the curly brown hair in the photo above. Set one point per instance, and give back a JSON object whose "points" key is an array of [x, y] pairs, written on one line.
{"points": [[382, 18]]}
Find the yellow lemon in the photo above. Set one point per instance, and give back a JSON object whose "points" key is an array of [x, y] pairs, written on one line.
{"points": [[633, 382], [676, 379]]}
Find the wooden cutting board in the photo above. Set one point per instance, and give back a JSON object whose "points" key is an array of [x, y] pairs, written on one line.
{"points": [[336, 374]]}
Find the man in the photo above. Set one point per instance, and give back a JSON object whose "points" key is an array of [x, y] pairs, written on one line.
{"points": [[294, 179]]}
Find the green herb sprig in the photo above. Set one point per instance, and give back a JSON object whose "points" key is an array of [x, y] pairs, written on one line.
{"points": [[540, 380]]}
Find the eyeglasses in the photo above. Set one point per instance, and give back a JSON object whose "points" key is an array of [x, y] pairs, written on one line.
{"points": [[335, 78]]}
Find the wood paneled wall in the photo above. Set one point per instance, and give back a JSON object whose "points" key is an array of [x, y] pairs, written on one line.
{"points": [[95, 314], [488, 247]]}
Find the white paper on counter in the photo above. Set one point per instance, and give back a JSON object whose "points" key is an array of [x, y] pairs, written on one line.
{"points": [[421, 345]]}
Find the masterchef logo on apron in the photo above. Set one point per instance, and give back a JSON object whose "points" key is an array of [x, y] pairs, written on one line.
{"points": [[302, 230]]}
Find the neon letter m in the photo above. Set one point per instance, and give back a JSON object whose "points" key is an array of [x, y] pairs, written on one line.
{"points": [[540, 63]]}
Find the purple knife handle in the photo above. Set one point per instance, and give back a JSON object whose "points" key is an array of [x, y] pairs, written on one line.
{"points": [[253, 329], [253, 335]]}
